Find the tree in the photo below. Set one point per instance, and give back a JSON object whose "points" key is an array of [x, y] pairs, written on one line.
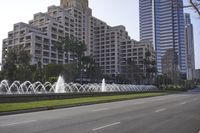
{"points": [[163, 80], [150, 67], [72, 46], [39, 73], [52, 71], [23, 66], [16, 66], [91, 69], [134, 72], [196, 5], [70, 72], [10, 67], [121, 79]]}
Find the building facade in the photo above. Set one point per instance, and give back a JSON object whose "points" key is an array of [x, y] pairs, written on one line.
{"points": [[132, 56], [146, 20], [197, 74], [167, 33], [40, 36], [189, 41], [73, 18]]}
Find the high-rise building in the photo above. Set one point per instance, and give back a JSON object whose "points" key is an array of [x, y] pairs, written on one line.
{"points": [[73, 18], [189, 41], [167, 33], [197, 74], [146, 20], [80, 4]]}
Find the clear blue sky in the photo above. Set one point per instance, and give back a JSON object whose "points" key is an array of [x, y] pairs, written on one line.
{"points": [[114, 12]]}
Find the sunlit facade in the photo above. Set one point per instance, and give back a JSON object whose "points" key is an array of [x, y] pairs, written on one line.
{"points": [[73, 18]]}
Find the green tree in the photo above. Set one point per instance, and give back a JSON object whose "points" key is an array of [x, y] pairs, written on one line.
{"points": [[39, 73], [91, 70], [23, 66], [121, 79], [16, 66], [133, 72], [75, 48], [72, 46], [70, 72], [52, 71], [162, 80], [150, 68]]}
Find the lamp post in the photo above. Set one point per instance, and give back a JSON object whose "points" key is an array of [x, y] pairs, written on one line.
{"points": [[83, 70]]}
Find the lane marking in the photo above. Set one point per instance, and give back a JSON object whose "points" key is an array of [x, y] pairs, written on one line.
{"points": [[198, 131], [160, 99], [103, 109], [99, 128], [183, 103], [18, 123], [160, 110], [139, 103]]}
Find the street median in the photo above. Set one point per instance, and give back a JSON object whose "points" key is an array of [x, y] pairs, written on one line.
{"points": [[24, 107]]}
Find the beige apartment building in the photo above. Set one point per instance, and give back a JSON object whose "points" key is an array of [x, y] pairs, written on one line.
{"points": [[133, 55], [109, 46]]}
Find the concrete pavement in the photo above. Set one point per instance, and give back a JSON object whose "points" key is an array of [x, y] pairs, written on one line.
{"points": [[178, 113]]}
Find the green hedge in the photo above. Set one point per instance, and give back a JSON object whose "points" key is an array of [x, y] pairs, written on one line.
{"points": [[185, 87]]}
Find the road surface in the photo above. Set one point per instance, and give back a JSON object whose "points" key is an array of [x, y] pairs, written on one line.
{"points": [[177, 113]]}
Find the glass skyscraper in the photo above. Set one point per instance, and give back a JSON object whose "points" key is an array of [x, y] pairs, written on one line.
{"points": [[189, 41], [167, 34], [146, 20]]}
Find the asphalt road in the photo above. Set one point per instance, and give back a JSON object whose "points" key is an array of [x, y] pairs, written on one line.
{"points": [[178, 113]]}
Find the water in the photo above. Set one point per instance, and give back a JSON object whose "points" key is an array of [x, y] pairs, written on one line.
{"points": [[61, 87], [103, 87]]}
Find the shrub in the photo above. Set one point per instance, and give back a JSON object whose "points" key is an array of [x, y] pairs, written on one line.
{"points": [[52, 79]]}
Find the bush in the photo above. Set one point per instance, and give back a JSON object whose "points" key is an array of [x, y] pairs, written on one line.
{"points": [[173, 87], [52, 79]]}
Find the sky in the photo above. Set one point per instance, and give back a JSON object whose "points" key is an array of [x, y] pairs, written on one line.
{"points": [[113, 12]]}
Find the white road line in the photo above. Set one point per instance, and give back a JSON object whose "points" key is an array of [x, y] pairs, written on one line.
{"points": [[160, 110], [139, 103], [99, 128], [160, 99], [183, 103], [198, 131], [103, 109], [17, 123]]}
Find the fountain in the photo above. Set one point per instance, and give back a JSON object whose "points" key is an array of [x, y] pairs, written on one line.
{"points": [[103, 87], [60, 85]]}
